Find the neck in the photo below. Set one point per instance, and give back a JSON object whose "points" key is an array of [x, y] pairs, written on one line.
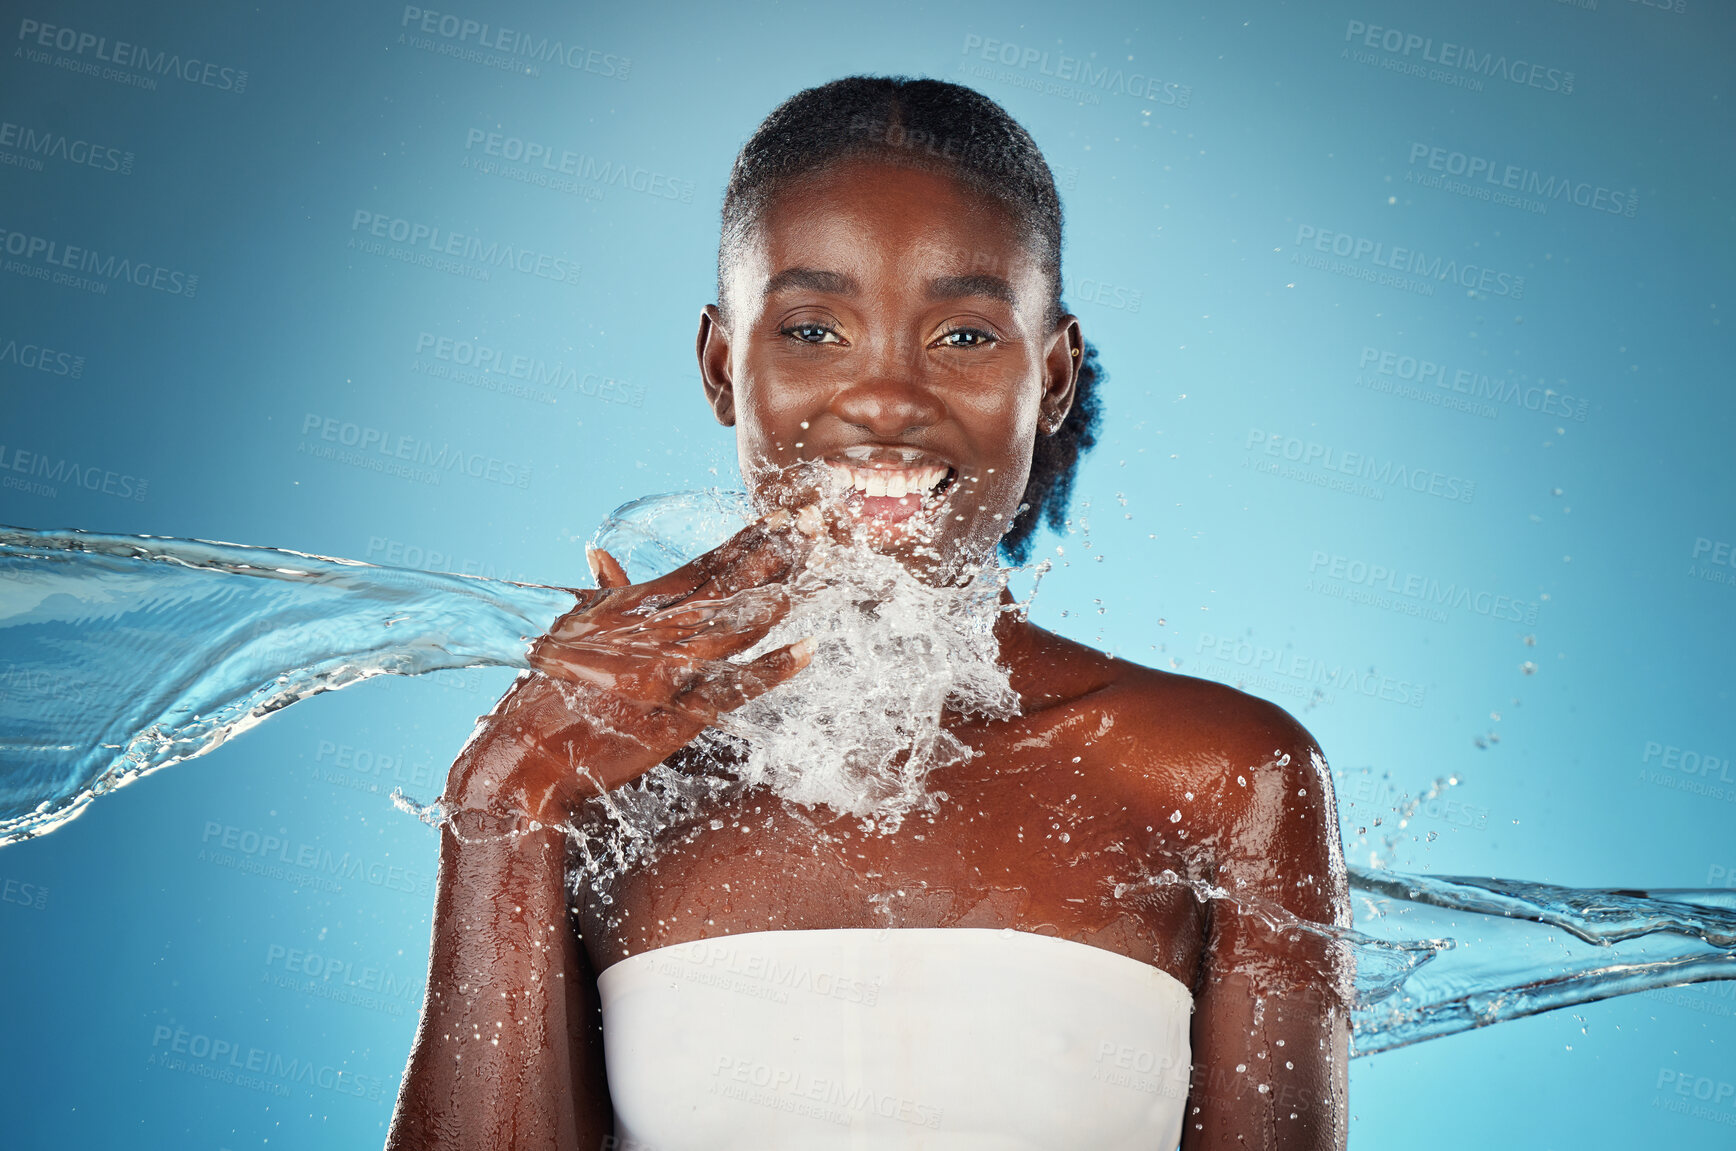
{"points": [[1043, 668], [1021, 645]]}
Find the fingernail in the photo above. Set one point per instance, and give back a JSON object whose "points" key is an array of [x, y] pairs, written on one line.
{"points": [[777, 518], [803, 650], [596, 564]]}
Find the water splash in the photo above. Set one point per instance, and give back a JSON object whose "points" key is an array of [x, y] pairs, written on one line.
{"points": [[860, 730], [654, 535], [1505, 949], [125, 654], [1436, 955]]}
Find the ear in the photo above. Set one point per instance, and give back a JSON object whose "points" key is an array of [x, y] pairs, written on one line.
{"points": [[712, 347], [1061, 362]]}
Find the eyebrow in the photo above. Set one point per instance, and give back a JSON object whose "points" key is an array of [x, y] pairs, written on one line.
{"points": [[957, 287], [939, 288], [813, 280]]}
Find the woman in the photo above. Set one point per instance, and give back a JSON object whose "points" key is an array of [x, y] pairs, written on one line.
{"points": [[889, 316]]}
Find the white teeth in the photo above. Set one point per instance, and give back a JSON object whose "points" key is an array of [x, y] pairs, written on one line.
{"points": [[893, 482]]}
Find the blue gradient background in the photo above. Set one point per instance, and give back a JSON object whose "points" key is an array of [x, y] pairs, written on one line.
{"points": [[1184, 265]]}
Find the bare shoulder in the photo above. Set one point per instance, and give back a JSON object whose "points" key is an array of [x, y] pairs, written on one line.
{"points": [[1264, 804], [1252, 777], [1234, 783], [1174, 720], [1212, 720]]}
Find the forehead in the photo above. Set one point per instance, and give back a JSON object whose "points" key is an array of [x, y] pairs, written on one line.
{"points": [[889, 221]]}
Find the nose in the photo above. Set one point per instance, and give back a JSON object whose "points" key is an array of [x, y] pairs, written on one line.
{"points": [[888, 405]]}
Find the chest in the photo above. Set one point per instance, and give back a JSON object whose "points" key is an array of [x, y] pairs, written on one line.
{"points": [[1038, 832]]}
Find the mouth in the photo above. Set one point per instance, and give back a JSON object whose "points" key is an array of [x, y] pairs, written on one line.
{"points": [[889, 484]]}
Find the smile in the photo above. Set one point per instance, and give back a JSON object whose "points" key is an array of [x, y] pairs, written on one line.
{"points": [[894, 482], [889, 483]]}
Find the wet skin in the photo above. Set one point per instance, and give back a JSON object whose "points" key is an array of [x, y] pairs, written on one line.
{"points": [[882, 317]]}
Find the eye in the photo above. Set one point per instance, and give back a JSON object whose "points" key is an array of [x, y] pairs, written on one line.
{"points": [[966, 338], [810, 333]]}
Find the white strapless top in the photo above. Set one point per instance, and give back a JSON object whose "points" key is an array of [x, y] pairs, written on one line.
{"points": [[858, 1039]]}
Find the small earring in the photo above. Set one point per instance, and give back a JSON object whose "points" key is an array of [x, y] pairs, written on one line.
{"points": [[1075, 351]]}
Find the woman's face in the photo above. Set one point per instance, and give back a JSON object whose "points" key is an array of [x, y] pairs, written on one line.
{"points": [[887, 327]]}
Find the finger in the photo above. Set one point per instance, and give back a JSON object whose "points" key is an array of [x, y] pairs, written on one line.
{"points": [[677, 606], [688, 579], [737, 622], [612, 667], [654, 680], [723, 625], [606, 569], [714, 695], [759, 552], [769, 558], [572, 662]]}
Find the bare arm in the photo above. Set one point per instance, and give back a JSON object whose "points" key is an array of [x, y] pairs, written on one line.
{"points": [[1271, 1030], [508, 1053]]}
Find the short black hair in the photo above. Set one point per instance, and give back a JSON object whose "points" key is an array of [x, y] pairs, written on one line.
{"points": [[948, 127]]}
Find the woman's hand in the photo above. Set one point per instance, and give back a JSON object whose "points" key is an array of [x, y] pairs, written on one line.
{"points": [[631, 675]]}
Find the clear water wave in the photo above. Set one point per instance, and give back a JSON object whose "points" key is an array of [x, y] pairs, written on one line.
{"points": [[122, 655]]}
